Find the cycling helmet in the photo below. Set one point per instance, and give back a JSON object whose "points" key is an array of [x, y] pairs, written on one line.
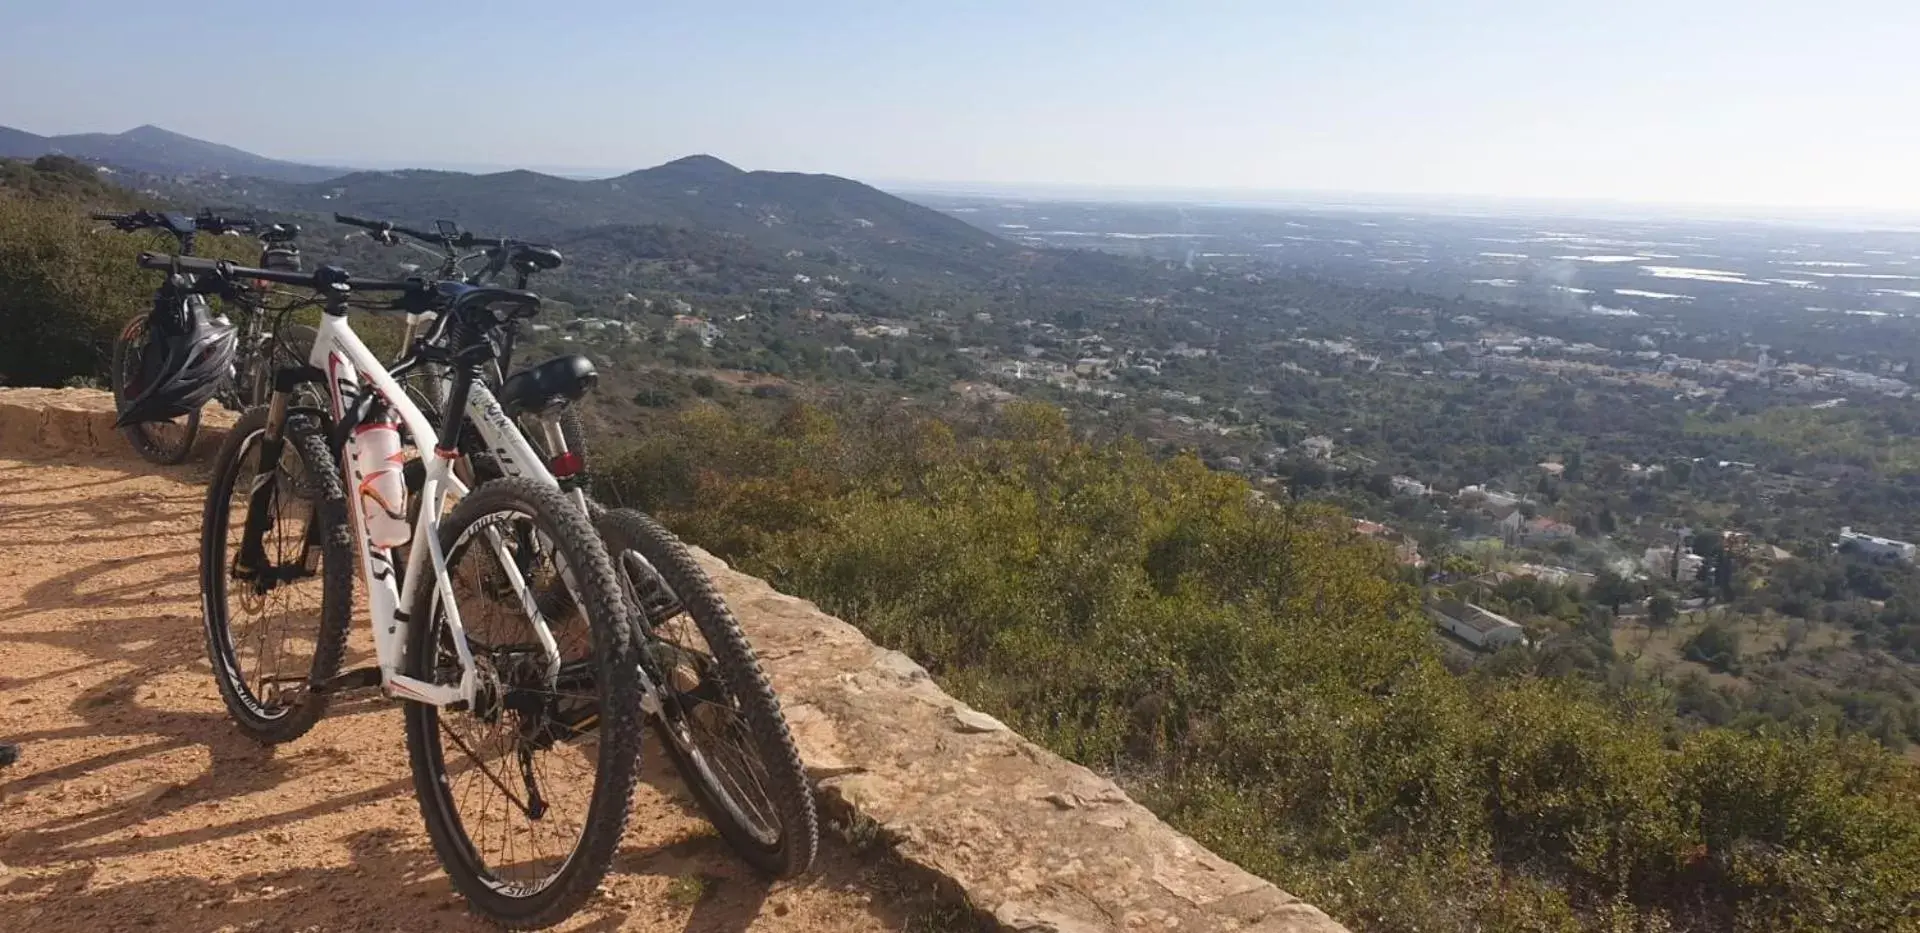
{"points": [[188, 353]]}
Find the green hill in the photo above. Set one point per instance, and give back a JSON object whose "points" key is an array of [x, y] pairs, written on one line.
{"points": [[154, 150], [780, 212]]}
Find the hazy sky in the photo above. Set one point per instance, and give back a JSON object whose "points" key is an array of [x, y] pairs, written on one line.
{"points": [[1707, 101]]}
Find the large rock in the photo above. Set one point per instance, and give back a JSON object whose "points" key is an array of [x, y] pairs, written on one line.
{"points": [[79, 423]]}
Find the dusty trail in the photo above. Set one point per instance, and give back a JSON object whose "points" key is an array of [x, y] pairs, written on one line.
{"points": [[136, 804]]}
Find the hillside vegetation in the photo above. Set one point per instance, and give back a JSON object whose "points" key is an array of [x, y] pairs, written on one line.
{"points": [[1255, 674], [66, 287]]}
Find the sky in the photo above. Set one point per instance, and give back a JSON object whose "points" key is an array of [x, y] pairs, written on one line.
{"points": [[1680, 101]]}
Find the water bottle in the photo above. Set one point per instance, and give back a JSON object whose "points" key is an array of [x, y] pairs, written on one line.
{"points": [[379, 479]]}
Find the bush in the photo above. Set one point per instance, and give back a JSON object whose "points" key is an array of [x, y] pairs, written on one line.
{"points": [[65, 292], [1717, 646], [1260, 678]]}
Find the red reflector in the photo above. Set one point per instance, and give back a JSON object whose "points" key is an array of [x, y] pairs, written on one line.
{"points": [[565, 465]]}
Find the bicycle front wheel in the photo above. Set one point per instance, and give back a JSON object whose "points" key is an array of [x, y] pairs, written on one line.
{"points": [[526, 791], [276, 609]]}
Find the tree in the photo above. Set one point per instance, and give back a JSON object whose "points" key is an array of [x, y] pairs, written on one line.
{"points": [[1717, 646], [1610, 589], [1661, 610], [1307, 474]]}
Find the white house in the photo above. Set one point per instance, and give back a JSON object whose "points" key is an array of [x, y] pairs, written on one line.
{"points": [[1659, 562], [1093, 367], [1498, 500], [1875, 546], [688, 324], [1408, 486], [1485, 630], [1319, 447]]}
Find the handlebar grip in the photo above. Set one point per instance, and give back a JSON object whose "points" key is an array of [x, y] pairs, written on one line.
{"points": [[110, 217]]}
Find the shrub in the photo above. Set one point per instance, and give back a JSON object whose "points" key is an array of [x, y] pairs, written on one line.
{"points": [[1263, 680]]}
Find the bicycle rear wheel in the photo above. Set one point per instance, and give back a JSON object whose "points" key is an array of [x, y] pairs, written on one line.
{"points": [[556, 755], [722, 724], [162, 442]]}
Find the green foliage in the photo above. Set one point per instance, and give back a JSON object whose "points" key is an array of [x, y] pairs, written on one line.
{"points": [[66, 289], [1612, 590], [1857, 436], [1260, 678], [1717, 645]]}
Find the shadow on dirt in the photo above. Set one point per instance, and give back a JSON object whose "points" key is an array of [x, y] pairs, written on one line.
{"points": [[107, 850]]}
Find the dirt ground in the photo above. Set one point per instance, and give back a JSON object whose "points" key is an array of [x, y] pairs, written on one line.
{"points": [[136, 804]]}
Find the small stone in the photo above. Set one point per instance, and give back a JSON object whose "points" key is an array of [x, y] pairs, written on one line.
{"points": [[1064, 801], [899, 665], [973, 721]]}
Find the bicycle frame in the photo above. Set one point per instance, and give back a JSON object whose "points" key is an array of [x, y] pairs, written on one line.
{"points": [[349, 370]]}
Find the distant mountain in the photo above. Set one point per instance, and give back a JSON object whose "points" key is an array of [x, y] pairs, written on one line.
{"points": [[153, 150], [20, 144], [818, 215], [823, 217]]}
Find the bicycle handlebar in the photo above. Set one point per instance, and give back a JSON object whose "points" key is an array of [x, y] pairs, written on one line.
{"points": [[458, 241], [204, 222], [321, 279], [385, 228]]}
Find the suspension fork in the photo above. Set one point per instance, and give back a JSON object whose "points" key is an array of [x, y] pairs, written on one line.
{"points": [[252, 562]]}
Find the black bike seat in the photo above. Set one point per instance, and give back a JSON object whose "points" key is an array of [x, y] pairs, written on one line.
{"points": [[178, 223], [536, 387], [464, 299]]}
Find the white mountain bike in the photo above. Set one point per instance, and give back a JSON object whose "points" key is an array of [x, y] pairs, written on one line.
{"points": [[717, 715], [537, 718]]}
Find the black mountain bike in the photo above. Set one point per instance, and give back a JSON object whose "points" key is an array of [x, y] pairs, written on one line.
{"points": [[136, 351], [717, 715], [478, 260]]}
